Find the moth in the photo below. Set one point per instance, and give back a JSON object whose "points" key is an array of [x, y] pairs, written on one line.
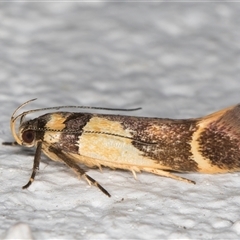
{"points": [[160, 146]]}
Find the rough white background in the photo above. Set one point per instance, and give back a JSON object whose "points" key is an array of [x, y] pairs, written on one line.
{"points": [[174, 59]]}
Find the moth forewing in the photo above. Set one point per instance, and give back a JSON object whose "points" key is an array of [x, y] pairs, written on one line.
{"points": [[209, 144]]}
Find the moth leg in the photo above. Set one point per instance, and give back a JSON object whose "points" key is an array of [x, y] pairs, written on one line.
{"points": [[36, 163], [10, 143], [100, 167], [75, 167], [168, 174], [134, 174]]}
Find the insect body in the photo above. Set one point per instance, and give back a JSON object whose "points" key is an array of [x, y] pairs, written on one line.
{"points": [[208, 145]]}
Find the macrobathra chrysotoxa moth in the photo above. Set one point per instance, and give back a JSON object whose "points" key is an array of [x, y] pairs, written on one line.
{"points": [[158, 145]]}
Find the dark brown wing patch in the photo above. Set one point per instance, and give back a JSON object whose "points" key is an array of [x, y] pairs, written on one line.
{"points": [[220, 140], [72, 131], [169, 140]]}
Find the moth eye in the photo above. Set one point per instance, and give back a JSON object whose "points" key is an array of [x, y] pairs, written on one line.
{"points": [[28, 136]]}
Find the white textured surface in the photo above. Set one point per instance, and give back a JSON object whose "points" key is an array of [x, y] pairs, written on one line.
{"points": [[173, 59]]}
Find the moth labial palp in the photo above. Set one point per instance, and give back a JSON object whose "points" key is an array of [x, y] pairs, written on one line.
{"points": [[157, 145]]}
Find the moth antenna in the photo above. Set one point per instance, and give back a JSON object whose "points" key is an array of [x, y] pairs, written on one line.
{"points": [[22, 115]]}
